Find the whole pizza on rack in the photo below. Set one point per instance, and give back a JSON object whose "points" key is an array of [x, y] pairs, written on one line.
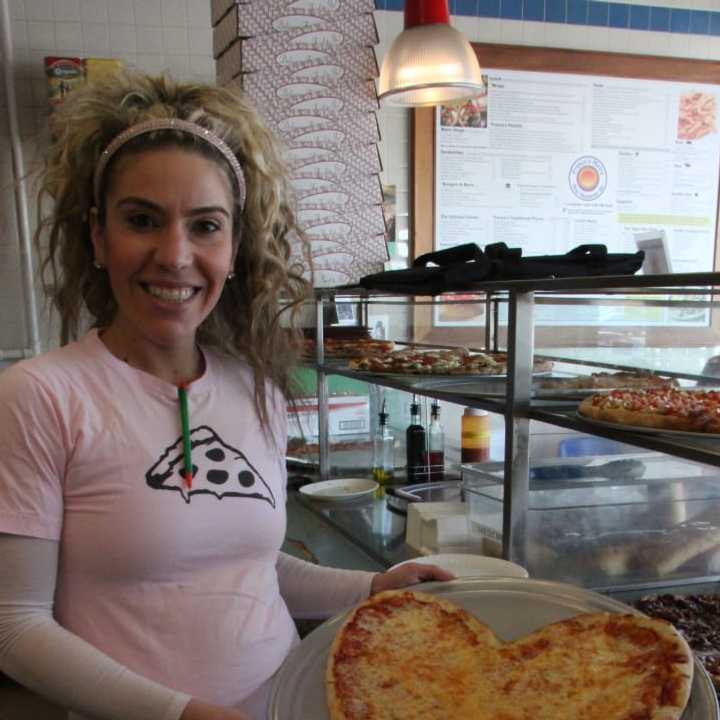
{"points": [[662, 409], [415, 656], [455, 361], [608, 380], [357, 347]]}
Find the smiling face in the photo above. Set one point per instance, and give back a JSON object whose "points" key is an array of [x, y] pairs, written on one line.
{"points": [[167, 244]]}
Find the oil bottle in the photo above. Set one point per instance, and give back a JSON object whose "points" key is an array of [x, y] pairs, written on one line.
{"points": [[383, 468], [436, 446], [415, 446]]}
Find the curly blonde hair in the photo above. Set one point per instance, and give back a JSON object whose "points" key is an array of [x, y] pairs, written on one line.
{"points": [[246, 322]]}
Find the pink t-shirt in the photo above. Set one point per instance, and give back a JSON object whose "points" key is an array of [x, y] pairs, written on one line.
{"points": [[178, 585]]}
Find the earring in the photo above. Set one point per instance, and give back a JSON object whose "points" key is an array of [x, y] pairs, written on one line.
{"points": [[230, 275], [98, 266]]}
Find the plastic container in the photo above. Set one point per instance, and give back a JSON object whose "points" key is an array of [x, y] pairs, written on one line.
{"points": [[601, 532], [475, 436]]}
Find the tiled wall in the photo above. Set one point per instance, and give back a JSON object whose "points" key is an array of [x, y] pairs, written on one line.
{"points": [[151, 35], [175, 35], [701, 19]]}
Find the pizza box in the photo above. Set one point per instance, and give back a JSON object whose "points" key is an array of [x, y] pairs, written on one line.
{"points": [[347, 415], [432, 525]]}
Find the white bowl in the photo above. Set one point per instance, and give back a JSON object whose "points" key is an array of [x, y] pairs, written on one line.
{"points": [[469, 565]]}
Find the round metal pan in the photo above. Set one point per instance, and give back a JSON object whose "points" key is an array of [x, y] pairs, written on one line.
{"points": [[512, 607]]}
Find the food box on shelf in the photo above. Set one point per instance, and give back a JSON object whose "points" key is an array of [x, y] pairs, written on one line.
{"points": [[433, 525], [645, 517], [347, 415]]}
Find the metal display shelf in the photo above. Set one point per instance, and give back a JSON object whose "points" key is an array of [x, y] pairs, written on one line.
{"points": [[698, 449], [517, 405], [625, 283]]}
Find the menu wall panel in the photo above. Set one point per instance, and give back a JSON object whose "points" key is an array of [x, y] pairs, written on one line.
{"points": [[571, 147]]}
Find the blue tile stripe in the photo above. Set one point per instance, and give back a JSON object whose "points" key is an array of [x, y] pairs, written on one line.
{"points": [[597, 13]]}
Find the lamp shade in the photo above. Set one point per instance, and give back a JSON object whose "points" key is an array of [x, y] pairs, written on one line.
{"points": [[429, 63]]}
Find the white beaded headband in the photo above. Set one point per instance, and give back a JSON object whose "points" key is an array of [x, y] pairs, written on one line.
{"points": [[185, 126]]}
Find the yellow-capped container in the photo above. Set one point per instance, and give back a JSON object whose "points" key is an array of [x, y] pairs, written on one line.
{"points": [[475, 436]]}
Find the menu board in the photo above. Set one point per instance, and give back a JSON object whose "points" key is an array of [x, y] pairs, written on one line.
{"points": [[548, 161]]}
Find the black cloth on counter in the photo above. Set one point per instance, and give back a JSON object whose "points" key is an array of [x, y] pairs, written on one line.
{"points": [[462, 267]]}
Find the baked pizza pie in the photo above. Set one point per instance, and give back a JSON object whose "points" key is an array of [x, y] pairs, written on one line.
{"points": [[663, 409], [455, 361], [414, 656], [356, 347], [608, 381]]}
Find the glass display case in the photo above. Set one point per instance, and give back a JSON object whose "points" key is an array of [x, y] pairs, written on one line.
{"points": [[601, 504]]}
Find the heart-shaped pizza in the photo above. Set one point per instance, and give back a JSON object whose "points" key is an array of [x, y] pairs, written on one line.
{"points": [[405, 655]]}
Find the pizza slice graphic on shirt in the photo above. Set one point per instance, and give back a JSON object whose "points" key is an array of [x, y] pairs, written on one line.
{"points": [[218, 469]]}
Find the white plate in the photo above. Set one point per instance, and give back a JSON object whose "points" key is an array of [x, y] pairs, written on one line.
{"points": [[463, 565], [339, 490], [650, 430]]}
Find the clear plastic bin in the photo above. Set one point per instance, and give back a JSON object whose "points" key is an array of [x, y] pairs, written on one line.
{"points": [[659, 521]]}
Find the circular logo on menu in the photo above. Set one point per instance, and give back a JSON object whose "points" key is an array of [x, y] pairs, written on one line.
{"points": [[588, 178]]}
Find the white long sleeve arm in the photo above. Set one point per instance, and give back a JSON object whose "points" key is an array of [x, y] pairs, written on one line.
{"points": [[312, 591], [41, 655]]}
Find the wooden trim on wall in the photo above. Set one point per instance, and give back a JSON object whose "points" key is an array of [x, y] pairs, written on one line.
{"points": [[422, 180], [538, 59], [587, 62]]}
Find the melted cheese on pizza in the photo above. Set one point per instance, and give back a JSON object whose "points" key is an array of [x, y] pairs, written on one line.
{"points": [[409, 656]]}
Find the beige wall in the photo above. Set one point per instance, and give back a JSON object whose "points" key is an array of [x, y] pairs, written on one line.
{"points": [[151, 35]]}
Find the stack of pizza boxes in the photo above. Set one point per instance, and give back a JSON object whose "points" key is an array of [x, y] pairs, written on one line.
{"points": [[309, 67]]}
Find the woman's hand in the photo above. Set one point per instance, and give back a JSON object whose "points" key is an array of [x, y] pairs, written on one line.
{"points": [[198, 710], [408, 574]]}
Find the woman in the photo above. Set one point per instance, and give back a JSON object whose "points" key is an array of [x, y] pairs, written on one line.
{"points": [[142, 484]]}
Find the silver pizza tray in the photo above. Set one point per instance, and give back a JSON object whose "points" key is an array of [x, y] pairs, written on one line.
{"points": [[512, 607]]}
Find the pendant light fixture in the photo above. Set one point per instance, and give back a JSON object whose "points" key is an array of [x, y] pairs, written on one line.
{"points": [[429, 63]]}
